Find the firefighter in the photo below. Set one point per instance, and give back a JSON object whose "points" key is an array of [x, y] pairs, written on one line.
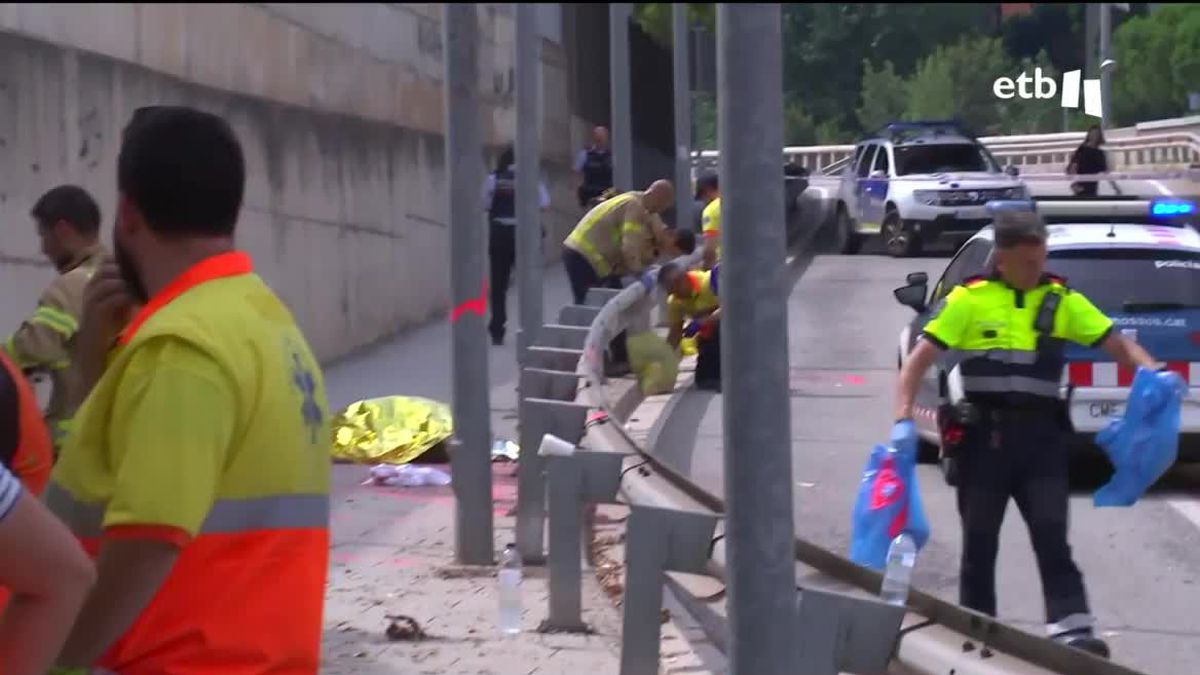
{"points": [[197, 470], [693, 295], [1009, 328], [593, 168], [622, 236], [499, 194], [68, 224]]}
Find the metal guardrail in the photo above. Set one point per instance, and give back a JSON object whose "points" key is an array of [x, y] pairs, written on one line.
{"points": [[1142, 146], [937, 637]]}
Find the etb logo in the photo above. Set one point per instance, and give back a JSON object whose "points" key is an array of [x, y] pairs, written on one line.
{"points": [[1046, 88]]}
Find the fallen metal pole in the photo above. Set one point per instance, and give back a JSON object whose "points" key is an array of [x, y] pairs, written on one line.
{"points": [[471, 453]]}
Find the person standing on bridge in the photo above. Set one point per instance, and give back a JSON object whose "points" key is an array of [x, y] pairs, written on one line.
{"points": [[500, 198], [593, 168], [68, 224], [197, 469], [1009, 329], [1088, 158]]}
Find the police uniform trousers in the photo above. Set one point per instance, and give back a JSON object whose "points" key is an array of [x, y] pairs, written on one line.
{"points": [[502, 255], [1022, 454]]}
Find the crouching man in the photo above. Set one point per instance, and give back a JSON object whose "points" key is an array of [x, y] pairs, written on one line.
{"points": [[694, 310]]}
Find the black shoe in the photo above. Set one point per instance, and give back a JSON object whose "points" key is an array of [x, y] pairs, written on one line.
{"points": [[497, 339], [1084, 640], [709, 385]]}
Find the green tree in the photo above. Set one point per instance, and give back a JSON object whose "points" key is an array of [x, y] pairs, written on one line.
{"points": [[884, 96], [956, 82], [1152, 52], [655, 18], [799, 128], [1038, 115], [704, 120]]}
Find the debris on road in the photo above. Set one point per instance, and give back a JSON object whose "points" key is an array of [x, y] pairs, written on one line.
{"points": [[406, 475], [505, 451], [403, 628]]}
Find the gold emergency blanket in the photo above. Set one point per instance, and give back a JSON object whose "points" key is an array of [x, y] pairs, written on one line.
{"points": [[390, 430], [654, 362]]}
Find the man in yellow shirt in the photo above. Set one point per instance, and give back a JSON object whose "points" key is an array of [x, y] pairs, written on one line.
{"points": [[710, 225], [197, 470], [693, 295]]}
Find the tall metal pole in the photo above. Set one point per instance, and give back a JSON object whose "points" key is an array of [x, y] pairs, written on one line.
{"points": [[531, 488], [1105, 72], [529, 227], [619, 76], [471, 453], [754, 342], [683, 117]]}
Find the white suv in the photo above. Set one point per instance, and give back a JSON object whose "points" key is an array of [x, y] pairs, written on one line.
{"points": [[915, 182]]}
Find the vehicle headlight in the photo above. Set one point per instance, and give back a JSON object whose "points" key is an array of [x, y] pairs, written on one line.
{"points": [[928, 197], [1018, 192]]}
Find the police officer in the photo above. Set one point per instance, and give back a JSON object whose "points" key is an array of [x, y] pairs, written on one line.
{"points": [[1009, 329], [593, 168], [499, 196]]}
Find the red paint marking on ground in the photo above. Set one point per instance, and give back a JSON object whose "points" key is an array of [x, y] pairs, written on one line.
{"points": [[855, 379], [478, 305]]}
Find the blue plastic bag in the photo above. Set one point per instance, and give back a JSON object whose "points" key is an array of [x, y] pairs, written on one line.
{"points": [[889, 503], [1144, 442]]}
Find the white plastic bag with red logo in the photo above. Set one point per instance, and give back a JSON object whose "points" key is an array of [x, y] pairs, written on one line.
{"points": [[888, 504]]}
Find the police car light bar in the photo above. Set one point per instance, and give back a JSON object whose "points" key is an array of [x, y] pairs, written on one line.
{"points": [[1166, 211]]}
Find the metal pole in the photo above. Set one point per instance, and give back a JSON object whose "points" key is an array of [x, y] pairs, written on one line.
{"points": [[618, 74], [1105, 73], [761, 563], [683, 117], [529, 226], [470, 457]]}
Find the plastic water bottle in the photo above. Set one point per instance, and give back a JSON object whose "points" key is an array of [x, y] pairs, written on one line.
{"points": [[509, 577], [901, 558]]}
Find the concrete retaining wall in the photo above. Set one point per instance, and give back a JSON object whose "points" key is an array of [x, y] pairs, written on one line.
{"points": [[338, 108]]}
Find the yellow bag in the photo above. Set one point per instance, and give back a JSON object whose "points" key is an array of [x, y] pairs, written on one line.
{"points": [[654, 361], [689, 346], [390, 430]]}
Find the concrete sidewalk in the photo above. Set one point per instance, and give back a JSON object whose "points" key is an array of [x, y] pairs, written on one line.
{"points": [[393, 553], [393, 548]]}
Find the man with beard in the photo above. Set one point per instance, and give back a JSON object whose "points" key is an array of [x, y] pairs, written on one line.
{"points": [[68, 224], [197, 470]]}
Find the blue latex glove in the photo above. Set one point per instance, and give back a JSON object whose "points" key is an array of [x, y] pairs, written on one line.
{"points": [[692, 328], [647, 280], [904, 436]]}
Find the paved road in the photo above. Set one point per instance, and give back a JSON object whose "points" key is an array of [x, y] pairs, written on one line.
{"points": [[1142, 564]]}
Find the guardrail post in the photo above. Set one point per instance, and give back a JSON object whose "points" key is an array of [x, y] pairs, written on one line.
{"points": [[540, 417], [656, 541], [577, 477], [845, 634]]}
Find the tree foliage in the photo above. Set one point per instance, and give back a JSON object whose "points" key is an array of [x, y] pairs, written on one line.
{"points": [[1158, 62], [884, 96], [655, 18]]}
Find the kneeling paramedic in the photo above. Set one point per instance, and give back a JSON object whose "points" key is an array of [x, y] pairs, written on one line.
{"points": [[1009, 328], [693, 295]]}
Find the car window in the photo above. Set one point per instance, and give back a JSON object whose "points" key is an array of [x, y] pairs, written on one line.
{"points": [[881, 161], [942, 158], [970, 261], [864, 162], [1114, 279]]}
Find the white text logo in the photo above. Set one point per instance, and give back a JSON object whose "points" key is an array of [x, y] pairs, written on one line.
{"points": [[1046, 88]]}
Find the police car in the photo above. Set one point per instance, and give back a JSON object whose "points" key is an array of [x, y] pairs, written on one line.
{"points": [[915, 182], [1138, 260]]}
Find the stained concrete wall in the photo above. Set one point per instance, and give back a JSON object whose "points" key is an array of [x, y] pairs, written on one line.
{"points": [[339, 110]]}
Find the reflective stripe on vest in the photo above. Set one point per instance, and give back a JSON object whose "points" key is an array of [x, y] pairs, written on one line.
{"points": [[24, 439], [56, 320], [579, 237], [1019, 371]]}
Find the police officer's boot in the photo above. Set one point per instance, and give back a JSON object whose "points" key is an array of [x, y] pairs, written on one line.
{"points": [[1084, 639]]}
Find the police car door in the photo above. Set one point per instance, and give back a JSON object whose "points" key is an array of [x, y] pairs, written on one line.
{"points": [[858, 209], [875, 190]]}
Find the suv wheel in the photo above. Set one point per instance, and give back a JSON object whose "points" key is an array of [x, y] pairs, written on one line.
{"points": [[899, 241], [848, 241]]}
